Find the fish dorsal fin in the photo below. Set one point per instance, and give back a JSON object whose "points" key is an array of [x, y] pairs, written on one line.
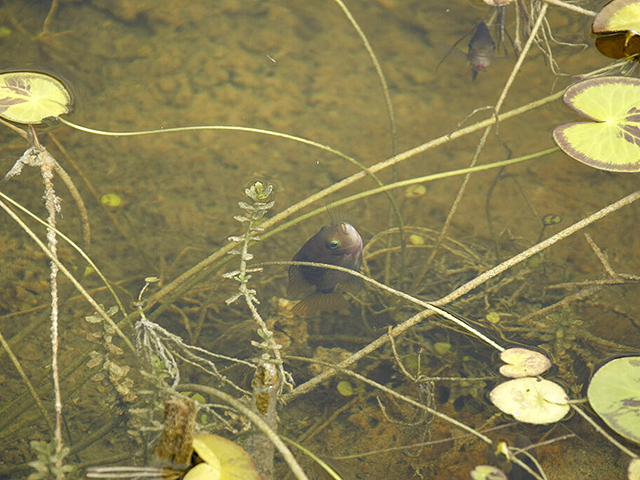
{"points": [[320, 302]]}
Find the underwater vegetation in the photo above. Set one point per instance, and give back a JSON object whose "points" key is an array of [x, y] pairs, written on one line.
{"points": [[475, 317]]}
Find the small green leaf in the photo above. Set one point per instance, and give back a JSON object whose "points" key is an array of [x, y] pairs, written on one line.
{"points": [[614, 394], [612, 142], [32, 98]]}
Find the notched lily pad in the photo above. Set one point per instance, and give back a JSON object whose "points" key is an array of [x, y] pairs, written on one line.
{"points": [[521, 362], [614, 394], [612, 141], [32, 97], [531, 400]]}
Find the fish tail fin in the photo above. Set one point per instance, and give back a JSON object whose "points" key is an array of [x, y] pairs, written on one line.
{"points": [[320, 302]]}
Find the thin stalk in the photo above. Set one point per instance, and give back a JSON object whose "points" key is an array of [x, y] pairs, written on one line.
{"points": [[257, 420], [203, 269], [485, 135], [28, 383], [602, 432], [67, 274], [47, 163], [330, 471], [466, 288], [75, 194], [363, 168], [400, 294], [73, 245]]}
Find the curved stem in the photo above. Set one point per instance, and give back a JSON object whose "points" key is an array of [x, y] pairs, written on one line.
{"points": [[257, 421]]}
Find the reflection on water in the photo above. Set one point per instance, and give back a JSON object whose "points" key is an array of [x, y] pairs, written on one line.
{"points": [[301, 69]]}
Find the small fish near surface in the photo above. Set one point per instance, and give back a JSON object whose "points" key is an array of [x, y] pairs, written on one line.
{"points": [[338, 244], [481, 49]]}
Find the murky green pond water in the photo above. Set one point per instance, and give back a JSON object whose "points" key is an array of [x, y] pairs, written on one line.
{"points": [[300, 68]]}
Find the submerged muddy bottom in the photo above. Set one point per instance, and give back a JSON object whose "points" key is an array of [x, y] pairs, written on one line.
{"points": [[300, 69]]}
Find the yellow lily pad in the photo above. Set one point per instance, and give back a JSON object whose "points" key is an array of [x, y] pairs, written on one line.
{"points": [[612, 141], [230, 459], [531, 400], [522, 362], [32, 97]]}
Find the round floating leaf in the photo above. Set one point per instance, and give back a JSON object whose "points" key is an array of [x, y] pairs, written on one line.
{"points": [[521, 362], [633, 472], [612, 142], [233, 461], [203, 471], [31, 97], [531, 400], [487, 472], [618, 16], [614, 394]]}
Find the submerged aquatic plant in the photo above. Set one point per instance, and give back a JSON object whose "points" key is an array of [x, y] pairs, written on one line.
{"points": [[411, 332]]}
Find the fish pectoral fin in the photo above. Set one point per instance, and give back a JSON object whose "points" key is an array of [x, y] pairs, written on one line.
{"points": [[350, 285], [320, 302], [298, 286]]}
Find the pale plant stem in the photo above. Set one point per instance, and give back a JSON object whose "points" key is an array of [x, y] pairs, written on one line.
{"points": [[400, 294], [53, 206], [27, 382], [75, 194], [571, 7], [485, 134], [67, 274], [389, 391], [602, 432], [475, 283], [257, 420], [381, 78], [250, 300]]}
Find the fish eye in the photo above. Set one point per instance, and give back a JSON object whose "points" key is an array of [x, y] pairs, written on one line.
{"points": [[332, 245]]}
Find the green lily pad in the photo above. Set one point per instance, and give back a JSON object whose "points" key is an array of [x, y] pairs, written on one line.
{"points": [[531, 400], [612, 141], [614, 394], [32, 97]]}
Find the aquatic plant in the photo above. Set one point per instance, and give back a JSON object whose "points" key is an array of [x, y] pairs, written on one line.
{"points": [[435, 306]]}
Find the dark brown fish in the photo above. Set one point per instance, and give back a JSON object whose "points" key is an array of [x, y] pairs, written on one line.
{"points": [[481, 49], [338, 244]]}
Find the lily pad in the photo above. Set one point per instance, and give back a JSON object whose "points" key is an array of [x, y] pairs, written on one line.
{"points": [[32, 97], [617, 16], [487, 472], [614, 394], [633, 472], [617, 28], [522, 362], [225, 460], [612, 141], [531, 400]]}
